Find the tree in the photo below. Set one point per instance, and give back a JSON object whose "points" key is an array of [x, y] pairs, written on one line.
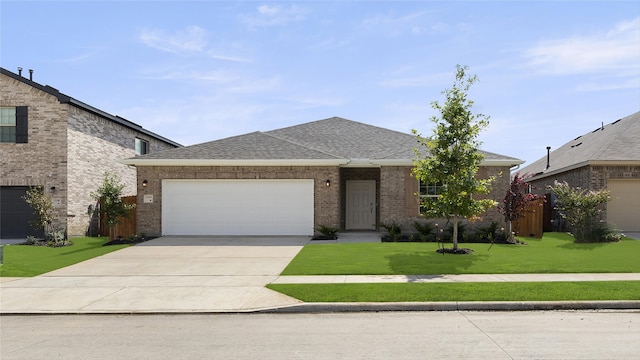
{"points": [[581, 209], [516, 199], [453, 157], [110, 197], [46, 215]]}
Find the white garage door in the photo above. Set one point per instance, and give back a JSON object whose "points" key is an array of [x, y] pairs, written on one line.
{"points": [[624, 208], [237, 207]]}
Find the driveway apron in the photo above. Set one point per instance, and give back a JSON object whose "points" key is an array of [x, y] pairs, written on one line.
{"points": [[168, 274]]}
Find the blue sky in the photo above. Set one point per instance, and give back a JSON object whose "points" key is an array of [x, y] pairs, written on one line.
{"points": [[196, 71]]}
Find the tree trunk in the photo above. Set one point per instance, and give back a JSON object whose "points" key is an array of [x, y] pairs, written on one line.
{"points": [[455, 233], [510, 235]]}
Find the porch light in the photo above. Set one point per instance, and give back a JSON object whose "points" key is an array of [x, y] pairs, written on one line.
{"points": [[144, 183], [328, 183]]}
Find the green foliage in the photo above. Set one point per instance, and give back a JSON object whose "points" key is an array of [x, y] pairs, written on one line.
{"points": [[453, 156], [46, 216], [491, 233], [467, 291], [393, 230], [109, 194], [25, 261], [424, 230], [601, 232], [554, 253], [516, 199], [328, 231], [582, 209]]}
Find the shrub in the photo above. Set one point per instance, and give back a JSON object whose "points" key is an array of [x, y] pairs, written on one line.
{"points": [[581, 209], [393, 230], [328, 231], [46, 217], [600, 233], [424, 230]]}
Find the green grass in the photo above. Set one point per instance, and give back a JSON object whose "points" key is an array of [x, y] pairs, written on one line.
{"points": [[436, 292], [554, 253], [27, 261]]}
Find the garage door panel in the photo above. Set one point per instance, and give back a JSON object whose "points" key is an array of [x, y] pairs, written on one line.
{"points": [[623, 211], [237, 207]]}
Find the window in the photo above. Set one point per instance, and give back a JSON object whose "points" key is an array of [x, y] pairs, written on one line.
{"points": [[429, 191], [142, 147], [13, 124], [8, 125]]}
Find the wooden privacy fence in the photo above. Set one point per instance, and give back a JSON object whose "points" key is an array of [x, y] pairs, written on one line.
{"points": [[531, 224], [126, 226]]}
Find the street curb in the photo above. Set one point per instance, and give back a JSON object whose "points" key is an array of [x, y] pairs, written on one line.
{"points": [[344, 307], [457, 306]]}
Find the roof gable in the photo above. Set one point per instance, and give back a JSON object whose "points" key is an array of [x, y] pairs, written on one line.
{"points": [[333, 141], [617, 141], [255, 145]]}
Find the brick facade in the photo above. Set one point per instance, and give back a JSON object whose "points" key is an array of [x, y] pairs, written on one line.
{"points": [[69, 148], [395, 190], [399, 204], [326, 199], [590, 177]]}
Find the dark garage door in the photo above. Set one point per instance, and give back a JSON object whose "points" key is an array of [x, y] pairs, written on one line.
{"points": [[15, 214]]}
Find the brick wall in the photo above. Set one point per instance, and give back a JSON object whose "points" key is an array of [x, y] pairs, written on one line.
{"points": [[326, 199], [43, 159], [397, 202], [589, 177], [68, 148], [394, 192], [95, 146]]}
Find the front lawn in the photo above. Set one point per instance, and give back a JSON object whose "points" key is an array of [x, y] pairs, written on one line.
{"points": [[26, 261], [554, 253], [427, 292]]}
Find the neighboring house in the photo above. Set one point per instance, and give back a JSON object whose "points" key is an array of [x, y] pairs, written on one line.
{"points": [[52, 140], [332, 172], [605, 158]]}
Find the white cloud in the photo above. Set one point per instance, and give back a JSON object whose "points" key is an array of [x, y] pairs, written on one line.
{"points": [[189, 40], [215, 55], [273, 15], [616, 50], [416, 23]]}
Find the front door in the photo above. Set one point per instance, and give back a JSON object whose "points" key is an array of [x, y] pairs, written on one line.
{"points": [[361, 205]]}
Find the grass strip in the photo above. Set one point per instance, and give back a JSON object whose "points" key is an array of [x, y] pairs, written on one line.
{"points": [[499, 291], [554, 253], [27, 261]]}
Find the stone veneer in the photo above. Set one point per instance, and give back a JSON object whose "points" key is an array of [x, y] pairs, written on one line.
{"points": [[68, 148]]}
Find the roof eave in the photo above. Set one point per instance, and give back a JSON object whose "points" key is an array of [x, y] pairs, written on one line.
{"points": [[234, 162], [544, 174], [352, 163]]}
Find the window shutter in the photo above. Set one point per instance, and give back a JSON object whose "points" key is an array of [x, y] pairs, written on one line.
{"points": [[22, 125]]}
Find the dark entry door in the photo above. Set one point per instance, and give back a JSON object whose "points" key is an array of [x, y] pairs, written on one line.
{"points": [[15, 214]]}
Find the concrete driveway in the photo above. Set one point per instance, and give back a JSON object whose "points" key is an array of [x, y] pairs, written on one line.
{"points": [[168, 274]]}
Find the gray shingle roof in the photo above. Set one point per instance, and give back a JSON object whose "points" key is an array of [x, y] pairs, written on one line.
{"points": [[617, 141], [329, 139]]}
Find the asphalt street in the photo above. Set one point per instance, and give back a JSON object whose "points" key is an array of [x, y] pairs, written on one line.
{"points": [[368, 335]]}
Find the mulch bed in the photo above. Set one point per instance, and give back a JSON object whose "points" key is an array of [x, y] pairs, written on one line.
{"points": [[121, 241]]}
